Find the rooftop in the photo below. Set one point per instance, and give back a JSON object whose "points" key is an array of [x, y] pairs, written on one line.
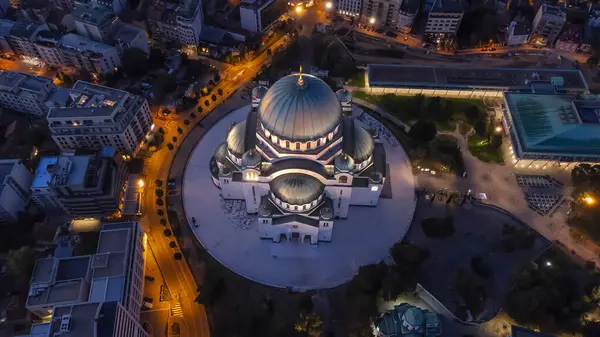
{"points": [[522, 28], [90, 100], [127, 33], [447, 6], [15, 81], [42, 174], [6, 26], [93, 14], [26, 28], [570, 33], [384, 75], [86, 319], [56, 281], [549, 10], [556, 123], [80, 44], [6, 167]]}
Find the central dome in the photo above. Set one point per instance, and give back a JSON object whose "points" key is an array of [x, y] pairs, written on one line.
{"points": [[296, 188], [300, 112]]}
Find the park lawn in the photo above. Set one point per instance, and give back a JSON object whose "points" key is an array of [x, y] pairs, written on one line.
{"points": [[480, 148]]}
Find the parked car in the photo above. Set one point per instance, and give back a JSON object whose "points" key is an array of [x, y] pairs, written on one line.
{"points": [[147, 305], [149, 278], [148, 299]]}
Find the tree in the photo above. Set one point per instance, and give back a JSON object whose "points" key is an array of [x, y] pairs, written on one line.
{"points": [[472, 113], [207, 103], [480, 128], [134, 62], [192, 115], [186, 122], [158, 182], [170, 146], [179, 130], [423, 132], [496, 141], [157, 58], [310, 325], [220, 92], [159, 193], [214, 98], [199, 109], [20, 263], [167, 232], [159, 202], [217, 78], [174, 139]]}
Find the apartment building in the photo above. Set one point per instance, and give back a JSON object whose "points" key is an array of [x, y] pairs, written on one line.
{"points": [[25, 93], [115, 273], [258, 15], [82, 53], [180, 23], [349, 8], [409, 9], [23, 36], [116, 6], [130, 36], [547, 24], [42, 193], [15, 180], [46, 43], [444, 18], [5, 27], [84, 185], [381, 13], [65, 5], [99, 116], [95, 22]]}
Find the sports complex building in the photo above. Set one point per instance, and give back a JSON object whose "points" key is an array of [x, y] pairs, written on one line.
{"points": [[548, 114], [469, 82]]}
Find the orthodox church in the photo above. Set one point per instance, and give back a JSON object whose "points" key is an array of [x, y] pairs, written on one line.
{"points": [[300, 160]]}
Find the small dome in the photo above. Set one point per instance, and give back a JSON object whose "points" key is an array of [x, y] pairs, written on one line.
{"points": [[326, 213], [259, 92], [376, 177], [296, 188], [235, 139], [343, 163], [300, 112], [413, 317], [344, 96], [221, 153], [251, 158], [264, 210], [363, 144]]}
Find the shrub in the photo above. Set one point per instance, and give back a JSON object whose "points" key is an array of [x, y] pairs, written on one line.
{"points": [[480, 268], [438, 227]]}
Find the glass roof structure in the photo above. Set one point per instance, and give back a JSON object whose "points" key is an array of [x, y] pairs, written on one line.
{"points": [[565, 125]]}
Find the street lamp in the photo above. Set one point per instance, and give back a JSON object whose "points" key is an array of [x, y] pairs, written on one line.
{"points": [[498, 129], [299, 9], [329, 5], [141, 183], [372, 20]]}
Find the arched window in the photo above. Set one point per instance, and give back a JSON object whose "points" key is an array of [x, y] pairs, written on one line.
{"points": [[297, 146], [295, 208], [308, 146], [287, 144], [343, 180], [318, 142]]}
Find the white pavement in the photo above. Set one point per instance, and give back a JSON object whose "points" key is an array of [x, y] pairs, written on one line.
{"points": [[364, 238]]}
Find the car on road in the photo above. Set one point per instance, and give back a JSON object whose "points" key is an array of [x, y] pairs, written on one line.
{"points": [[148, 299], [171, 184], [147, 305], [379, 31], [149, 278]]}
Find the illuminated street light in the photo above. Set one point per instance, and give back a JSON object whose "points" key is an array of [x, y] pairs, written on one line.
{"points": [[141, 183], [372, 20], [329, 5], [548, 263], [299, 9], [589, 199], [498, 129]]}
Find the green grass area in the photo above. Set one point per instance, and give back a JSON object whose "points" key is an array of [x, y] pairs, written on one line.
{"points": [[484, 151], [357, 80], [464, 128]]}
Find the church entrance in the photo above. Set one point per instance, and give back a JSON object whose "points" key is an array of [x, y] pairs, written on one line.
{"points": [[295, 236]]}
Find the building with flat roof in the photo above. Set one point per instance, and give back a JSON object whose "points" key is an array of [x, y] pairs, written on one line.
{"points": [[41, 191], [98, 116], [258, 15], [547, 24], [15, 180], [349, 8], [83, 185], [25, 93], [180, 23], [518, 33], [115, 273], [117, 6], [129, 36], [445, 17], [469, 82], [381, 13], [104, 319], [95, 22], [82, 53], [23, 36], [557, 128], [5, 28], [570, 38]]}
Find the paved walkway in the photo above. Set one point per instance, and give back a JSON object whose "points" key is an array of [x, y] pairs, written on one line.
{"points": [[499, 183], [365, 237]]}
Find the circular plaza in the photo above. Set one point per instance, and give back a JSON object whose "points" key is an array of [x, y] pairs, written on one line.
{"points": [[264, 203]]}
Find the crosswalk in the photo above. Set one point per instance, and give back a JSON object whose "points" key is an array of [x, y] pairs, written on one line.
{"points": [[145, 224], [176, 310]]}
